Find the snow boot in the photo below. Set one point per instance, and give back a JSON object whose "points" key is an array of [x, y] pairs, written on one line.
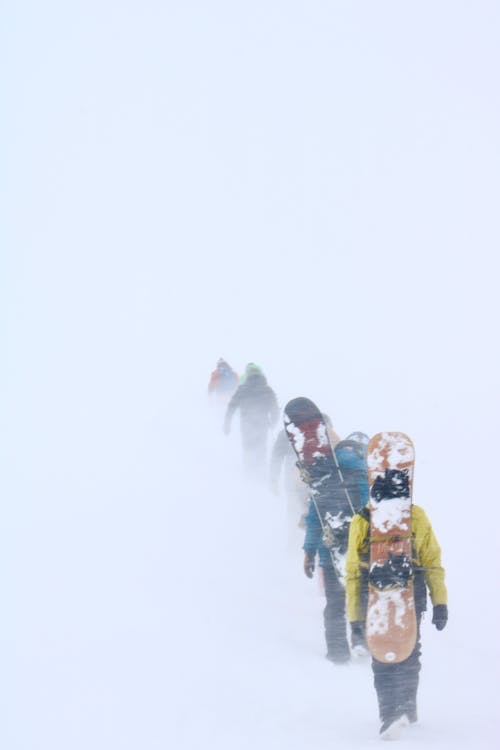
{"points": [[391, 728], [338, 658], [358, 641]]}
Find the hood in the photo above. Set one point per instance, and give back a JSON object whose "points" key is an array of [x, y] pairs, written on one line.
{"points": [[255, 380], [351, 454]]}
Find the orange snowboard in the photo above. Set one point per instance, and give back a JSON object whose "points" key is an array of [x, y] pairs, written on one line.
{"points": [[391, 626]]}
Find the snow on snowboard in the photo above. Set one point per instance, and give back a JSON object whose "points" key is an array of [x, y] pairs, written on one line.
{"points": [[391, 627], [308, 433]]}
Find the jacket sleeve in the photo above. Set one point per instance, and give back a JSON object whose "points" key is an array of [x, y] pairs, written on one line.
{"points": [[274, 410], [313, 531], [429, 556], [280, 449], [231, 407], [358, 531]]}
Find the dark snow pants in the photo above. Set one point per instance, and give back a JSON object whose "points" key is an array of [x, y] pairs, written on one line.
{"points": [[334, 618], [397, 684], [254, 444]]}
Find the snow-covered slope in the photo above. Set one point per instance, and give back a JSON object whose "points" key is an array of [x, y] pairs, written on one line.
{"points": [[169, 608]]}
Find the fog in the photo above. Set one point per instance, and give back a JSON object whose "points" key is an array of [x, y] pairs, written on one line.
{"points": [[310, 186]]}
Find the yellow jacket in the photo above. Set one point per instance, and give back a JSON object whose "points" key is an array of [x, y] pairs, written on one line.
{"points": [[426, 550]]}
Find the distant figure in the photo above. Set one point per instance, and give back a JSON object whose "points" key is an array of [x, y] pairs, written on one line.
{"points": [[296, 491], [223, 381], [250, 369], [259, 412]]}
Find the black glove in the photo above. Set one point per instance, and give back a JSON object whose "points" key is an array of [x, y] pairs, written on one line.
{"points": [[440, 616], [308, 565]]}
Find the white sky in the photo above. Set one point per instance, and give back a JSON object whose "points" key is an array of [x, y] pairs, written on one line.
{"points": [[312, 186]]}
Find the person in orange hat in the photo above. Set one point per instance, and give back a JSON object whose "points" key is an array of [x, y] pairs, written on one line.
{"points": [[223, 381]]}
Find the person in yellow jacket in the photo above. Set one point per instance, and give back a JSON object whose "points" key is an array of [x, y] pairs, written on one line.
{"points": [[396, 684]]}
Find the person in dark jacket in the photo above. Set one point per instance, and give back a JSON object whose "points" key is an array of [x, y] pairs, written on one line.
{"points": [[351, 458], [397, 684], [259, 412]]}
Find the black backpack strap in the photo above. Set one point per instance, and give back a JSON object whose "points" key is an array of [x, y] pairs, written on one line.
{"points": [[364, 512]]}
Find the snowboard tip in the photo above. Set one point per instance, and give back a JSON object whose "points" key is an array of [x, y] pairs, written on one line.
{"points": [[390, 450]]}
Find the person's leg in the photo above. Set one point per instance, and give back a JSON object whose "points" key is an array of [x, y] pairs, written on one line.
{"points": [[396, 686], [334, 618], [410, 686], [254, 446]]}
